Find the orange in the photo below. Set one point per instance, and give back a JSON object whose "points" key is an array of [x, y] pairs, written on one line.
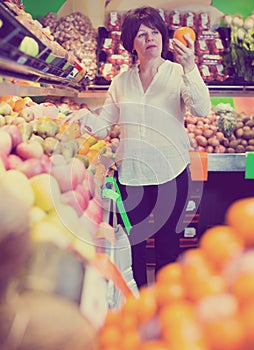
{"points": [[84, 148], [247, 318], [225, 334], [221, 243], [169, 292], [147, 305], [180, 33], [130, 340], [240, 216], [243, 288], [154, 345], [110, 336], [169, 273]]}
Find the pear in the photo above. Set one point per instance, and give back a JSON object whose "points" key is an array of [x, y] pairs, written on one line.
{"points": [[46, 191], [26, 130], [5, 108], [47, 129], [51, 146]]}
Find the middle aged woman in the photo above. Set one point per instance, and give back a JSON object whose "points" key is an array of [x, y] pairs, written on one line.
{"points": [[149, 103]]}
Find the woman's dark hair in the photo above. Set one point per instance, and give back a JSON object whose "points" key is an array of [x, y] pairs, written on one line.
{"points": [[148, 16]]}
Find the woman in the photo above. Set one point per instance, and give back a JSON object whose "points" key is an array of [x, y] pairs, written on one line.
{"points": [[149, 103]]}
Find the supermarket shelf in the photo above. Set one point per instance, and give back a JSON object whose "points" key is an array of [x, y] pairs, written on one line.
{"points": [[13, 69], [231, 90], [226, 162], [28, 90]]}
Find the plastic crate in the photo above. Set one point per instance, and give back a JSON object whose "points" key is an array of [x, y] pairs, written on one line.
{"points": [[12, 32]]}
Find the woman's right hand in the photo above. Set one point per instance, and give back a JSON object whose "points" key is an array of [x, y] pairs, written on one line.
{"points": [[77, 116]]}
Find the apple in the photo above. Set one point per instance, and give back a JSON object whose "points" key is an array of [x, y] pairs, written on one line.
{"points": [[77, 167], [14, 161], [57, 159], [18, 184], [84, 191], [47, 231], [29, 149], [66, 179], [29, 46], [36, 214], [5, 142], [67, 216], [31, 167], [75, 200], [4, 160], [15, 134], [46, 191], [89, 184], [46, 163]]}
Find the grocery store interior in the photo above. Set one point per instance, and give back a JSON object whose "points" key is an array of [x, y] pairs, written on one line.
{"points": [[66, 279]]}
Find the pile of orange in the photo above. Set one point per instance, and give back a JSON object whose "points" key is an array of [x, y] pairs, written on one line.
{"points": [[204, 301]]}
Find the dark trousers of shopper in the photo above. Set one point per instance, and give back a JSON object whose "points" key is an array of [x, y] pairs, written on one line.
{"points": [[155, 211]]}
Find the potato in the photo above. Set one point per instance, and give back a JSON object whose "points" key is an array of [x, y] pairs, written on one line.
{"points": [[240, 149], [234, 143], [250, 142], [239, 133], [230, 150], [249, 148]]}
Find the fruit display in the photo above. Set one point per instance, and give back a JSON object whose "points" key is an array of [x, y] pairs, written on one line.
{"points": [[59, 168], [221, 131], [204, 300]]}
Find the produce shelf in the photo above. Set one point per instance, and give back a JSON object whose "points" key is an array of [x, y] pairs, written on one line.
{"points": [[226, 162], [13, 69]]}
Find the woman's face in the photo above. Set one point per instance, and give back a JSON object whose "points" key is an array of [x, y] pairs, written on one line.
{"points": [[148, 42]]}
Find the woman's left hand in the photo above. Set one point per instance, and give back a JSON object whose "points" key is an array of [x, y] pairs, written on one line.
{"points": [[185, 54]]}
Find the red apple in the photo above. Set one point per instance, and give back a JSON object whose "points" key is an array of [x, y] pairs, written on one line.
{"points": [[66, 179], [14, 161], [77, 167], [14, 133], [31, 167], [84, 193], [5, 142], [89, 183], [75, 200], [29, 149]]}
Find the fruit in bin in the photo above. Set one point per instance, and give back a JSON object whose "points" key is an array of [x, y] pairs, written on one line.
{"points": [[50, 145], [83, 159], [31, 167], [29, 46], [14, 133], [26, 130], [66, 179], [74, 199], [5, 142], [18, 184], [240, 216], [14, 161], [2, 120], [29, 149], [3, 164], [36, 214], [46, 191], [5, 108], [47, 129]]}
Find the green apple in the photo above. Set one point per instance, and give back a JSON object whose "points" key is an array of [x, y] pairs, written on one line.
{"points": [[29, 46]]}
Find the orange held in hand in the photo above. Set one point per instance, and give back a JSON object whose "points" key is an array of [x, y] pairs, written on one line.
{"points": [[180, 33]]}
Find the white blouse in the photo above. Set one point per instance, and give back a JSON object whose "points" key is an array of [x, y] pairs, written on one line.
{"points": [[154, 146]]}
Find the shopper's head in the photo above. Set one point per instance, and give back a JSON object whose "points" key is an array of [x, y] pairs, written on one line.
{"points": [[148, 16]]}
